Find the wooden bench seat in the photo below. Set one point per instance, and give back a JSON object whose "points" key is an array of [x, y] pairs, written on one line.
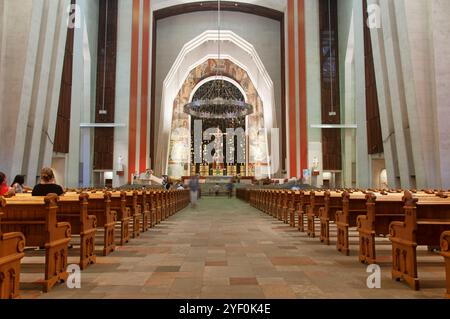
{"points": [[302, 209], [327, 214], [316, 202], [382, 209], [294, 202], [36, 218], [123, 213], [99, 205], [153, 207], [74, 210], [12, 247], [282, 210], [142, 200], [353, 205], [135, 213], [425, 219]]}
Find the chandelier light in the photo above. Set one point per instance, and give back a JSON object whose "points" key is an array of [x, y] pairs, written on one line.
{"points": [[218, 102]]}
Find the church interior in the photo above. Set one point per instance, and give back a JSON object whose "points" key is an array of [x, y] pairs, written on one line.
{"points": [[252, 149]]}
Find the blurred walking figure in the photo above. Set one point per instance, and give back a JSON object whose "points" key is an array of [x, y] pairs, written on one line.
{"points": [[230, 186], [217, 189], [194, 187]]}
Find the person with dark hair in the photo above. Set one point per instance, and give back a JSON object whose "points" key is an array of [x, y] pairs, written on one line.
{"points": [[47, 185], [4, 189], [18, 184]]}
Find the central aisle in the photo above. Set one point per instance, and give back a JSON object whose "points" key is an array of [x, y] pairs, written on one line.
{"points": [[227, 249]]}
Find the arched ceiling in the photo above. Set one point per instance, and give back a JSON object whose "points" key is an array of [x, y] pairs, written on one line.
{"points": [[279, 5]]}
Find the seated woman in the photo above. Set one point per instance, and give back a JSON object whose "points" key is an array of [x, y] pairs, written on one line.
{"points": [[4, 189], [47, 185], [18, 184]]}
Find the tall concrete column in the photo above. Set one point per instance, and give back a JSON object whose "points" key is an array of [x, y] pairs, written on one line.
{"points": [[313, 84], [32, 40], [83, 94]]}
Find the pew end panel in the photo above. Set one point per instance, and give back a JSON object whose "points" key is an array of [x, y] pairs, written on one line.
{"points": [[99, 205], [425, 220], [74, 210], [36, 218], [12, 247]]}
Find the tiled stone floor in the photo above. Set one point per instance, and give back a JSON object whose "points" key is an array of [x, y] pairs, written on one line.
{"points": [[227, 249]]}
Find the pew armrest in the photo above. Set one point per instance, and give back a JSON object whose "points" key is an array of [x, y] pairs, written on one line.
{"points": [[398, 231], [340, 218], [362, 222], [114, 215], [64, 230], [11, 243], [92, 219], [322, 214]]}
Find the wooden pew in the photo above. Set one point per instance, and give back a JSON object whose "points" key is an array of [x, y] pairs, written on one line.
{"points": [[316, 201], [12, 247], [135, 212], [425, 219], [164, 205], [282, 209], [184, 199], [353, 205], [153, 206], [302, 209], [119, 206], [382, 209], [445, 252], [142, 200], [262, 200], [170, 202], [74, 210], [158, 203], [293, 204], [99, 205], [36, 218], [273, 202], [327, 214]]}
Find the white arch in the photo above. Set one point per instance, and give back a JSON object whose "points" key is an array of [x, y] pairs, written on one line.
{"points": [[279, 5], [198, 51]]}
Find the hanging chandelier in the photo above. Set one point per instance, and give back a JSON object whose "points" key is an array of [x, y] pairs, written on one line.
{"points": [[218, 102]]}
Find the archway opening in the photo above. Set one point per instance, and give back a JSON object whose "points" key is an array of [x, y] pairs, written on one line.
{"points": [[222, 148]]}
